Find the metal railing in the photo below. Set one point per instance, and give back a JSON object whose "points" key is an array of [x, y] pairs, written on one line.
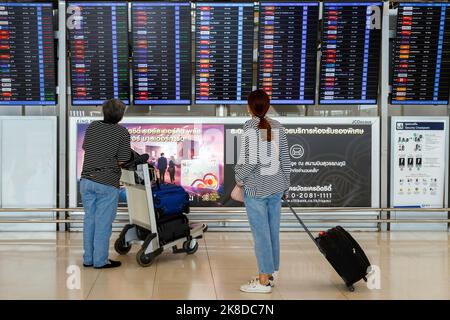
{"points": [[201, 211]]}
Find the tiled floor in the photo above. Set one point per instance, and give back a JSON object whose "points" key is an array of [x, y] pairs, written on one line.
{"points": [[414, 265]]}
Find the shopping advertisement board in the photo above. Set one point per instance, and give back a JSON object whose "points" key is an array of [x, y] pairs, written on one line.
{"points": [[419, 162], [334, 161]]}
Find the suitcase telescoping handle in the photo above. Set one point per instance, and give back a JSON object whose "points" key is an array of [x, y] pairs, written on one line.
{"points": [[303, 225]]}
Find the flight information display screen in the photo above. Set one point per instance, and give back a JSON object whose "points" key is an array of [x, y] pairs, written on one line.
{"points": [[223, 52], [421, 59], [351, 42], [98, 42], [161, 52], [27, 57], [287, 44]]}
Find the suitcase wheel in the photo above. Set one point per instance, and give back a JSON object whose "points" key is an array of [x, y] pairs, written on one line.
{"points": [[191, 246], [351, 288]]}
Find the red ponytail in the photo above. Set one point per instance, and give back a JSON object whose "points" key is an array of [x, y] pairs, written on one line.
{"points": [[259, 104]]}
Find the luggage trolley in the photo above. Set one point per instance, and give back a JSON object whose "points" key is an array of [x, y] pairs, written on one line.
{"points": [[142, 228]]}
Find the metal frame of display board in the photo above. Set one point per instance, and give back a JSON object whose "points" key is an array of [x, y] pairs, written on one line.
{"points": [[383, 110], [388, 110], [63, 115], [59, 109]]}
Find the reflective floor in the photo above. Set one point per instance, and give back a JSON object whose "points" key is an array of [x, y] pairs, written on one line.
{"points": [[413, 265]]}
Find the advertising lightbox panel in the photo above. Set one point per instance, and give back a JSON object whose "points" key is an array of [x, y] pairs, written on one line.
{"points": [[335, 161], [196, 150]]}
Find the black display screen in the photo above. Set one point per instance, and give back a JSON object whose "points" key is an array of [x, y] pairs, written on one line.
{"points": [[351, 42], [421, 58], [161, 52], [98, 42], [27, 62], [287, 44], [223, 52]]}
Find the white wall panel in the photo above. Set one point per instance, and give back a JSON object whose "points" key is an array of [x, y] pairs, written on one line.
{"points": [[28, 162]]}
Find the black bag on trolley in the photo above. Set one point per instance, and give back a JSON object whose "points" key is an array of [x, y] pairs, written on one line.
{"points": [[173, 228], [171, 202]]}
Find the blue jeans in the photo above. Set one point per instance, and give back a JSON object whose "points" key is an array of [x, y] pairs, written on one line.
{"points": [[100, 203], [264, 218]]}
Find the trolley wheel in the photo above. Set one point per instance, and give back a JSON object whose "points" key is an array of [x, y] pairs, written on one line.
{"points": [[351, 288], [190, 247], [121, 247], [144, 260]]}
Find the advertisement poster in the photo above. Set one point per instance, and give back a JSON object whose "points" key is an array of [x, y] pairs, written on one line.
{"points": [[418, 167], [196, 151], [334, 161], [331, 164]]}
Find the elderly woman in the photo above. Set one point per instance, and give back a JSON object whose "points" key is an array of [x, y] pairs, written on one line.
{"points": [[106, 146]]}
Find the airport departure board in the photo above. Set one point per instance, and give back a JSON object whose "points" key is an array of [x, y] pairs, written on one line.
{"points": [[98, 42], [421, 59], [223, 52], [27, 62], [161, 52], [287, 59], [351, 42]]}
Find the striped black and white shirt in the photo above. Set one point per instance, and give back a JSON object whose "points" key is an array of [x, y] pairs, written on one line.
{"points": [[104, 146], [263, 167]]}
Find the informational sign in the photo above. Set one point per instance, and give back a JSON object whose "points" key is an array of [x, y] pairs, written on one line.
{"points": [[161, 52], [418, 162], [334, 161], [27, 62], [288, 51], [351, 42], [98, 43], [421, 60], [223, 52]]}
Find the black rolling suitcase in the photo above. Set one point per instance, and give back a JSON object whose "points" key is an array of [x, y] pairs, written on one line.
{"points": [[342, 251]]}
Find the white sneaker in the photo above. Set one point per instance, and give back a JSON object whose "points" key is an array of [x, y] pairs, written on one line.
{"points": [[271, 281], [253, 286]]}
